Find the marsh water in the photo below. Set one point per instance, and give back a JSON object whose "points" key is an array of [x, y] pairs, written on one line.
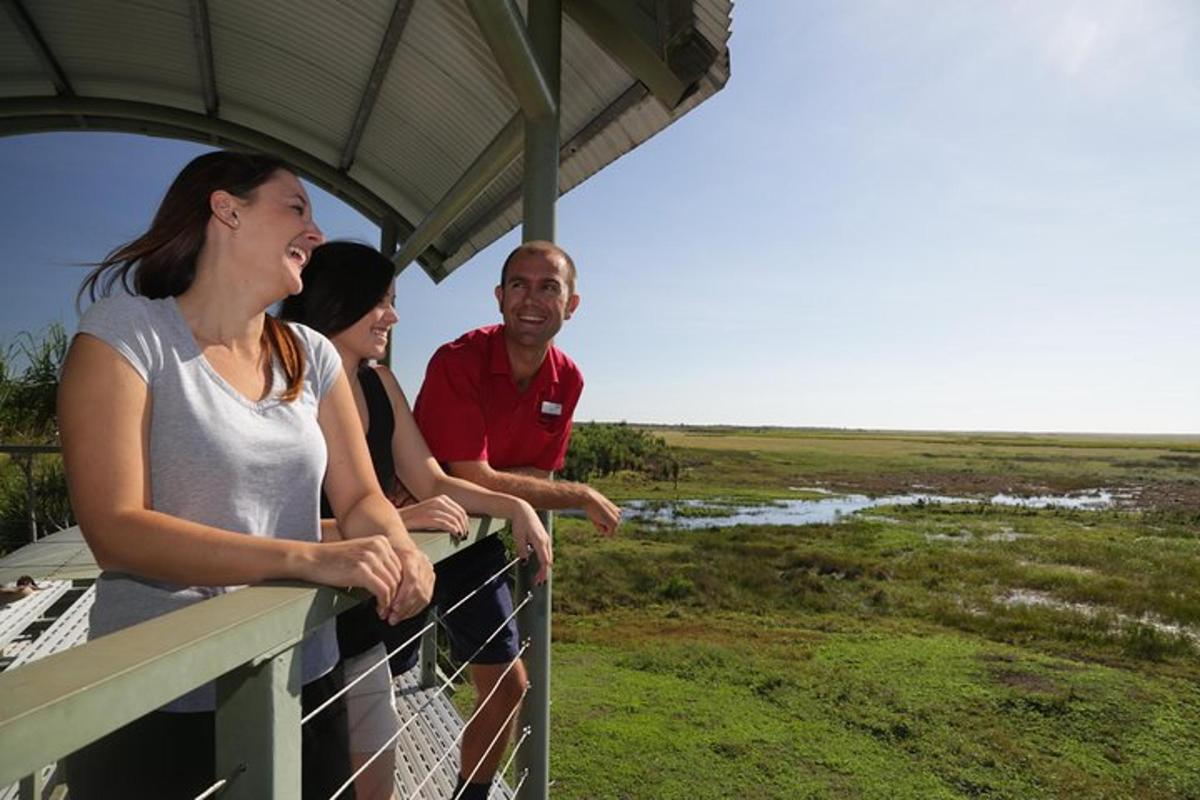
{"points": [[690, 514]]}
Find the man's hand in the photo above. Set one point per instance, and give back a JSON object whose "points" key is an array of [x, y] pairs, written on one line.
{"points": [[604, 513], [438, 513]]}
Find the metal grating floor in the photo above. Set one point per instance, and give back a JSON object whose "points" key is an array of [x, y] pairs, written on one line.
{"points": [[426, 740], [18, 615]]}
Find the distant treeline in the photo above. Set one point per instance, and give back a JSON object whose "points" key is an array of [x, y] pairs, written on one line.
{"points": [[602, 448]]}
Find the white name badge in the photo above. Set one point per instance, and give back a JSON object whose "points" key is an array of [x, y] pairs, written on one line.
{"points": [[554, 409]]}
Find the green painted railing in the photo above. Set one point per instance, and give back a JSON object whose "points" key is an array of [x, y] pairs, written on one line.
{"points": [[246, 641]]}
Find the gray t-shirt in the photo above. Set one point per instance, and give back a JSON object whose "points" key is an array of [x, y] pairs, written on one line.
{"points": [[216, 458]]}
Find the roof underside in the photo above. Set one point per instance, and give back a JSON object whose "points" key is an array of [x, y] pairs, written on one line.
{"points": [[385, 103]]}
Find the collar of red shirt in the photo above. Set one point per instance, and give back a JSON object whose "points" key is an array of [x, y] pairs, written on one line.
{"points": [[501, 366]]}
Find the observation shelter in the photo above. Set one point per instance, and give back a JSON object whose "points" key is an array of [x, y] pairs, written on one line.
{"points": [[446, 123]]}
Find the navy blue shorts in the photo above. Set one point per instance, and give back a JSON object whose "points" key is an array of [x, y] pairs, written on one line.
{"points": [[470, 625]]}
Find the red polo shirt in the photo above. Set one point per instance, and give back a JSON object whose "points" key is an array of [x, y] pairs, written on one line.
{"points": [[469, 408]]}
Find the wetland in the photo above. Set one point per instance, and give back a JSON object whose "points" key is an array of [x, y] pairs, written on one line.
{"points": [[988, 615]]}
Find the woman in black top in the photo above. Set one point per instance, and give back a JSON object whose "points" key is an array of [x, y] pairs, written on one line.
{"points": [[348, 296]]}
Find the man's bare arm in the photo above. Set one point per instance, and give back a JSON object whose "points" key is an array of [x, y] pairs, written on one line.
{"points": [[536, 488]]}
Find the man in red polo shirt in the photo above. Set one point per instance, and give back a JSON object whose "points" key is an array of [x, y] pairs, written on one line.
{"points": [[496, 409]]}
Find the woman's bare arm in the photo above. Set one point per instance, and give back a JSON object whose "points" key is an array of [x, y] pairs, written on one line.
{"points": [[359, 504]]}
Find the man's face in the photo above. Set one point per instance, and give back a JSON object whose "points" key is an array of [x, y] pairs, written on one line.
{"points": [[535, 298]]}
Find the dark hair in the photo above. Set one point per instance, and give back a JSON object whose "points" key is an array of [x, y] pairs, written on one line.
{"points": [[162, 261], [540, 246], [342, 282]]}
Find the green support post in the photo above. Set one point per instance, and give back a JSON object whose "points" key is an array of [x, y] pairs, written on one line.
{"points": [[258, 729], [31, 787], [31, 497], [429, 676], [389, 234], [533, 621], [540, 190], [539, 195]]}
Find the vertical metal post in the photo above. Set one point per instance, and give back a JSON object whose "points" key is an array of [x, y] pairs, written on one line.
{"points": [[30, 496], [388, 236], [540, 190], [429, 677], [539, 195], [258, 729], [31, 787], [534, 623]]}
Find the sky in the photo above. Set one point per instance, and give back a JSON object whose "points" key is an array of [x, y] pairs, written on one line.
{"points": [[934, 215]]}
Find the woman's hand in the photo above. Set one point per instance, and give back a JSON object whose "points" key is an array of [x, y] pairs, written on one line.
{"points": [[370, 563], [438, 513], [416, 588], [529, 536], [398, 574]]}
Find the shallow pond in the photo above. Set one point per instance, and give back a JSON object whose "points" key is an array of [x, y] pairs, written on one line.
{"points": [[716, 514]]}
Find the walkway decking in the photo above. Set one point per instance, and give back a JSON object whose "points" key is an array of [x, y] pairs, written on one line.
{"points": [[425, 741], [17, 617]]}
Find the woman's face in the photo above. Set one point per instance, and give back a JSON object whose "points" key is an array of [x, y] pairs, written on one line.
{"points": [[275, 235], [368, 337]]}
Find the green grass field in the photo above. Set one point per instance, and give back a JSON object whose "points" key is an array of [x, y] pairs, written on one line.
{"points": [[884, 657]]}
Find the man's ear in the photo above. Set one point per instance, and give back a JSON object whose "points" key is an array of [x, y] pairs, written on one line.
{"points": [[224, 207], [500, 297], [572, 304]]}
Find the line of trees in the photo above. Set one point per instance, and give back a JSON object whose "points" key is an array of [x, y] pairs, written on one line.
{"points": [[29, 368]]}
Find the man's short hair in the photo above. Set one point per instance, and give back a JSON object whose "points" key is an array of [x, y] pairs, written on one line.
{"points": [[540, 246]]}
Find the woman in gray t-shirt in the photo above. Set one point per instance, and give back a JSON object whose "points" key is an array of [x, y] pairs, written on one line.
{"points": [[196, 433]]}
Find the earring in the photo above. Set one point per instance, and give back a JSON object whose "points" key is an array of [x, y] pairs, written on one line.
{"points": [[235, 221]]}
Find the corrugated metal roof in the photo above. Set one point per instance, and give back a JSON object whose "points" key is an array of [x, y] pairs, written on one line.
{"points": [[296, 71]]}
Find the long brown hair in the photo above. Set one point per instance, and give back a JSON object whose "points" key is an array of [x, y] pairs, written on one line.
{"points": [[162, 261]]}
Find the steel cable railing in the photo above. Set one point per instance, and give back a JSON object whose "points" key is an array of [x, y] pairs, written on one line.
{"points": [[406, 643], [515, 748], [446, 684], [218, 786]]}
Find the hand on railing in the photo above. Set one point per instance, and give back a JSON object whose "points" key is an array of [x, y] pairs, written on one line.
{"points": [[415, 590], [400, 577], [438, 513], [529, 536]]}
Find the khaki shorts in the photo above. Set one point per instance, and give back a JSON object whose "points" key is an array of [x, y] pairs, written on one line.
{"points": [[370, 706]]}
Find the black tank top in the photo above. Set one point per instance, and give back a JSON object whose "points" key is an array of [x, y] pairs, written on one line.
{"points": [[359, 628], [381, 423]]}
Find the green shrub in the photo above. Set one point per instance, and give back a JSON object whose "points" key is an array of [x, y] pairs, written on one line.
{"points": [[676, 587], [603, 448], [29, 369]]}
